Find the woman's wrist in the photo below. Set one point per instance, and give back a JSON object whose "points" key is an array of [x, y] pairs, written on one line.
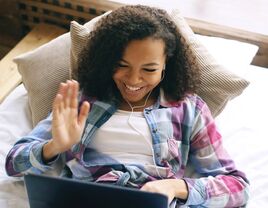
{"points": [[49, 151], [181, 189]]}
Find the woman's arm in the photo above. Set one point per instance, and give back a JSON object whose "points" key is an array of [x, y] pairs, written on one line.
{"points": [[67, 124], [222, 185], [26, 154], [53, 136]]}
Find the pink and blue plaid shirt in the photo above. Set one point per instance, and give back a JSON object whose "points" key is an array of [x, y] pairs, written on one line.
{"points": [[183, 132]]}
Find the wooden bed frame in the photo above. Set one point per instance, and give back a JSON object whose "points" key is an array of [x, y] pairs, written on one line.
{"points": [[10, 76], [44, 20]]}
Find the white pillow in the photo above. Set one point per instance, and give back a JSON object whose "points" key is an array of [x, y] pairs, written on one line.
{"points": [[233, 54]]}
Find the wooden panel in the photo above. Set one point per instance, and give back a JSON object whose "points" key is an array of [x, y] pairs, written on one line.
{"points": [[212, 29], [61, 12], [261, 59], [9, 26], [10, 76]]}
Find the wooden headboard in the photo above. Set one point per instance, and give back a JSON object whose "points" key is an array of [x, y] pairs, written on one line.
{"points": [[61, 12], [37, 13]]}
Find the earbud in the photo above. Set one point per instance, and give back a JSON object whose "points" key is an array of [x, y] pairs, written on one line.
{"points": [[163, 75], [163, 72]]}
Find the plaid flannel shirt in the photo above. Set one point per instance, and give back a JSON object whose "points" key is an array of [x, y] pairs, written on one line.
{"points": [[182, 132]]}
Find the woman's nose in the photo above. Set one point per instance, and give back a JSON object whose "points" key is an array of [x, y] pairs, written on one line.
{"points": [[134, 76]]}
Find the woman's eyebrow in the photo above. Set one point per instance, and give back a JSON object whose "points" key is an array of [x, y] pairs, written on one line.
{"points": [[148, 64], [124, 61], [151, 64]]}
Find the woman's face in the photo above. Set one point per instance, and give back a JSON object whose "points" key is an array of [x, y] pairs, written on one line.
{"points": [[140, 69]]}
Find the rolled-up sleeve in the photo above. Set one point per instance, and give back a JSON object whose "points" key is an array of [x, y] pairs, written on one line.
{"points": [[26, 154], [221, 184]]}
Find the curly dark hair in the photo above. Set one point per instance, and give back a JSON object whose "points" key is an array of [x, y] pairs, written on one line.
{"points": [[107, 42]]}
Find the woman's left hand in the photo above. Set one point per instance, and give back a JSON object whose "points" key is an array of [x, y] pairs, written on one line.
{"points": [[170, 187]]}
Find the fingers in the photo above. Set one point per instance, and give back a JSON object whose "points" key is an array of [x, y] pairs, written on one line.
{"points": [[84, 110], [67, 98], [57, 107], [73, 88], [69, 93]]}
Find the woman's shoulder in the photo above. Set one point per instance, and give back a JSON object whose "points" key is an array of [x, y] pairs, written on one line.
{"points": [[194, 104], [188, 108], [189, 100], [194, 99]]}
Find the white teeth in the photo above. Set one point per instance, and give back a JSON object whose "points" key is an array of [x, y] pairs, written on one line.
{"points": [[133, 88]]}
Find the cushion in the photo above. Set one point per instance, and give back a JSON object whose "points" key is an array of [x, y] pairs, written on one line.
{"points": [[42, 71], [79, 36], [218, 85], [44, 68], [231, 60]]}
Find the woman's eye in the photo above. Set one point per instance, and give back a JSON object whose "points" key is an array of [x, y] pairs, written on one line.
{"points": [[149, 70], [121, 65]]}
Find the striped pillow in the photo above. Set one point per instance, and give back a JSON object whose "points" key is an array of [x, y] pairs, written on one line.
{"points": [[79, 36], [44, 68], [42, 71], [218, 85]]}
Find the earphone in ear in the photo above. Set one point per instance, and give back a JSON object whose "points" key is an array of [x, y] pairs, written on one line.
{"points": [[163, 75], [163, 72]]}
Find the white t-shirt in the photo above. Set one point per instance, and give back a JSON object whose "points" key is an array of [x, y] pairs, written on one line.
{"points": [[124, 139]]}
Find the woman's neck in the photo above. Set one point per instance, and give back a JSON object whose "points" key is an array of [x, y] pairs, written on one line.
{"points": [[136, 106], [148, 100]]}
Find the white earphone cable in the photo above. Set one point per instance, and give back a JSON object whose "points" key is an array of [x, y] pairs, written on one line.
{"points": [[132, 126]]}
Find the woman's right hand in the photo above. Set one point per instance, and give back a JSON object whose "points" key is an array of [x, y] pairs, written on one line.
{"points": [[67, 124]]}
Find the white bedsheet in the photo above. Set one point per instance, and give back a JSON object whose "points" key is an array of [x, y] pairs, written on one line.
{"points": [[14, 122], [242, 124]]}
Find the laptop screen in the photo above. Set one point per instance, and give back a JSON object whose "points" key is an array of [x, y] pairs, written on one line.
{"points": [[46, 191]]}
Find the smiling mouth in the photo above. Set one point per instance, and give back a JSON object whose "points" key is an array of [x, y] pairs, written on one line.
{"points": [[133, 89]]}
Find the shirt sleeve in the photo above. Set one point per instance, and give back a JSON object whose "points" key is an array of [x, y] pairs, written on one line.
{"points": [[26, 154], [221, 184]]}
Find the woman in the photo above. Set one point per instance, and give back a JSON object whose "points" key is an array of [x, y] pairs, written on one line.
{"points": [[139, 122]]}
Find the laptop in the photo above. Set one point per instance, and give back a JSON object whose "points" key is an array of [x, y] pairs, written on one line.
{"points": [[55, 192]]}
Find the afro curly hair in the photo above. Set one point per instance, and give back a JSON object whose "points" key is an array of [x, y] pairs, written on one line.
{"points": [[111, 35]]}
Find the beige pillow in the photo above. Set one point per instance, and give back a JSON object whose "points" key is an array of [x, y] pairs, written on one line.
{"points": [[218, 85], [44, 68], [79, 37]]}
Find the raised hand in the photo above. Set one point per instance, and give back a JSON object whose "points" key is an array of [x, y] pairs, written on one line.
{"points": [[67, 124]]}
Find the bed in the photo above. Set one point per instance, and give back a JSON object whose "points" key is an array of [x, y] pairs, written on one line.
{"points": [[241, 123]]}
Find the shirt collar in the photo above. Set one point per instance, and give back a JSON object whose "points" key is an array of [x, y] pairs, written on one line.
{"points": [[163, 101]]}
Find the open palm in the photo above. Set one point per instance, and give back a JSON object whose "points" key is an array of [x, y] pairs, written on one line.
{"points": [[67, 124]]}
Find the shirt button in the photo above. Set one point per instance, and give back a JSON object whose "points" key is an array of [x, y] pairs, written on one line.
{"points": [[154, 130]]}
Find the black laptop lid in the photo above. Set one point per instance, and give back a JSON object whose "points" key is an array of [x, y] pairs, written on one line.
{"points": [[53, 192]]}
